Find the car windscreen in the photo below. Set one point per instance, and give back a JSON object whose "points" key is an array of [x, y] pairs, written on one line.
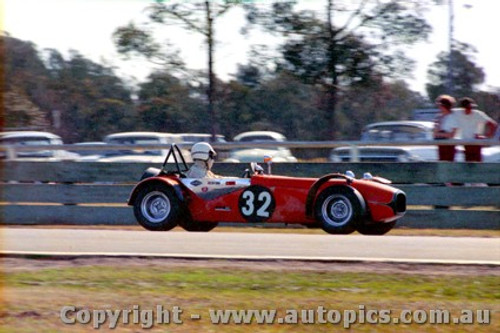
{"points": [[29, 141], [257, 138], [394, 133], [194, 139]]}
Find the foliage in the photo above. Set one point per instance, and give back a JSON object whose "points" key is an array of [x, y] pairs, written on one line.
{"points": [[166, 105], [20, 112], [337, 70], [91, 100], [464, 73], [194, 16], [378, 102], [249, 75], [277, 104], [466, 76], [489, 102], [341, 54], [130, 39], [27, 74], [87, 93]]}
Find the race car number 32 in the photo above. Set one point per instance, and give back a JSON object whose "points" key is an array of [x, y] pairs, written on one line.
{"points": [[256, 203]]}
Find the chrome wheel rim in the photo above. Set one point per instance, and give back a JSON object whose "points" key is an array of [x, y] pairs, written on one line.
{"points": [[337, 210], [155, 207]]}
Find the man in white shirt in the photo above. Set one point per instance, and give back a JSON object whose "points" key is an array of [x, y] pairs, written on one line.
{"points": [[473, 124], [446, 126]]}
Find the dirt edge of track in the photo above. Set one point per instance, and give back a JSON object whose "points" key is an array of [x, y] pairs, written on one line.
{"points": [[27, 263]]}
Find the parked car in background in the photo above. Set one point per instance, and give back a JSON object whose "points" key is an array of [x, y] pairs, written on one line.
{"points": [[201, 137], [427, 114], [398, 131], [386, 154], [403, 131], [92, 152], [192, 138], [34, 138], [131, 154], [259, 136], [392, 131], [248, 155], [491, 154]]}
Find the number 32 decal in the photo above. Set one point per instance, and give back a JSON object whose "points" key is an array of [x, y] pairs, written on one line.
{"points": [[256, 203]]}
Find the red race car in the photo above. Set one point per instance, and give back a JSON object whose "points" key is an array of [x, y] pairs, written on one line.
{"points": [[338, 203]]}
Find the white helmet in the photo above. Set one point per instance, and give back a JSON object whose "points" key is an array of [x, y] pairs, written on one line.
{"points": [[202, 151]]}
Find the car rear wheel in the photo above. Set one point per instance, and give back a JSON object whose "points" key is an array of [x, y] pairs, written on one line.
{"points": [[157, 208], [376, 229], [338, 210]]}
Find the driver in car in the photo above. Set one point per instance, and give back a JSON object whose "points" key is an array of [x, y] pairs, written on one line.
{"points": [[203, 156]]}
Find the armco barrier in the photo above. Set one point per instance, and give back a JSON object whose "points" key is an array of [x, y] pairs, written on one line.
{"points": [[440, 195]]}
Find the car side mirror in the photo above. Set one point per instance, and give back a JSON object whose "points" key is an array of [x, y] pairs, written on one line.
{"points": [[268, 160]]}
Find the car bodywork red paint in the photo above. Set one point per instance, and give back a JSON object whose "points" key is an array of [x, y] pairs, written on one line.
{"points": [[281, 199]]}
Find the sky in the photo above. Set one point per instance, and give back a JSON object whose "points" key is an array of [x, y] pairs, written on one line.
{"points": [[87, 26]]}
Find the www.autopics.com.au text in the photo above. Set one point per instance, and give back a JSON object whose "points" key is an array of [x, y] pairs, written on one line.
{"points": [[160, 315]]}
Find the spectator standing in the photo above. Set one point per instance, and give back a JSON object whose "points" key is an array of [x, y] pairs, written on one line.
{"points": [[473, 124], [446, 127]]}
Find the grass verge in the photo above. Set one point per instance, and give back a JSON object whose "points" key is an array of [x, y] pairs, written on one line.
{"points": [[33, 298]]}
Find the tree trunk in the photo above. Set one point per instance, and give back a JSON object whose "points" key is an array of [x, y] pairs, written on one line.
{"points": [[331, 88], [211, 81]]}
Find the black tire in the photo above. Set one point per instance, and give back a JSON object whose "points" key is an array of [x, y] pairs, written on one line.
{"points": [[339, 210], [157, 208], [376, 229], [197, 226], [312, 225]]}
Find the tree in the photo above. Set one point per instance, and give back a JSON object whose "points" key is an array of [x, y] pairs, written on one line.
{"points": [[249, 75], [489, 102], [27, 78], [20, 113], [91, 100], [198, 17], [381, 101], [277, 104], [464, 74], [234, 111], [165, 104], [348, 50]]}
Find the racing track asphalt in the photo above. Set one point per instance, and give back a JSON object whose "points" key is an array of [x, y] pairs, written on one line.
{"points": [[252, 246]]}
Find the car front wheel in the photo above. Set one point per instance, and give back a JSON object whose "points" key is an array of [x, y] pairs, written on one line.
{"points": [[338, 210], [157, 208]]}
